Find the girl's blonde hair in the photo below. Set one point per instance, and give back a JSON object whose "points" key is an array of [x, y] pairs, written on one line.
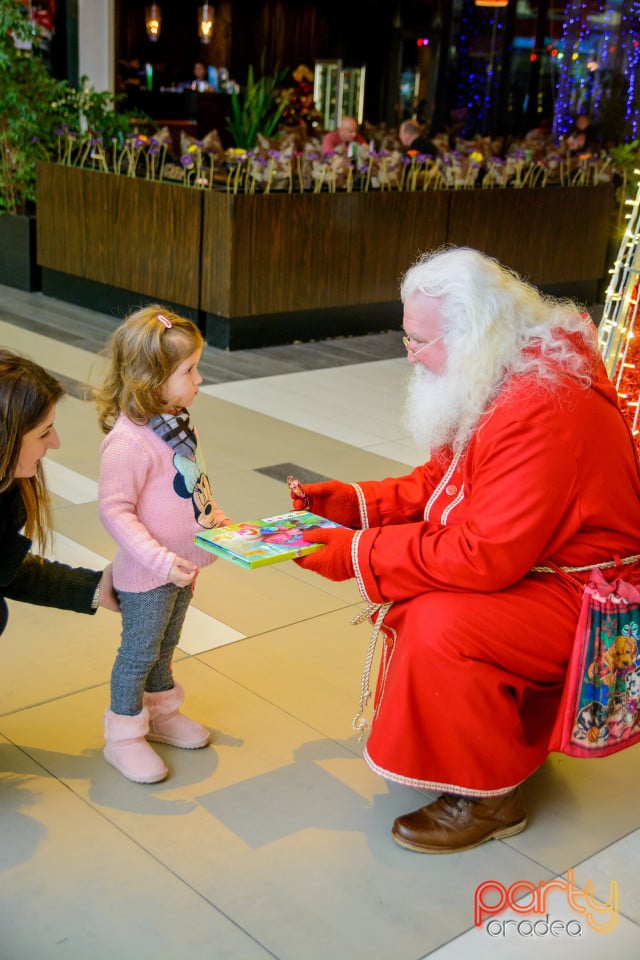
{"points": [[27, 394], [142, 354]]}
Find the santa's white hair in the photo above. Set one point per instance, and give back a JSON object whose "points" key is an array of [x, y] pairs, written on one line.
{"points": [[491, 316]]}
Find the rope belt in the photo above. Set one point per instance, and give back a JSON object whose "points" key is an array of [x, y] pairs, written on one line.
{"points": [[360, 723], [606, 565]]}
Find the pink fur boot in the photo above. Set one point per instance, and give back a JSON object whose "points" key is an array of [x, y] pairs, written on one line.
{"points": [[168, 725], [128, 751]]}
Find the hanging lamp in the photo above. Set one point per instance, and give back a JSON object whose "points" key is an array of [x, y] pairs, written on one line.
{"points": [[205, 22], [153, 21]]}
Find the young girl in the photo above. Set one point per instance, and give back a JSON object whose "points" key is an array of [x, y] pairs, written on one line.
{"points": [[154, 495]]}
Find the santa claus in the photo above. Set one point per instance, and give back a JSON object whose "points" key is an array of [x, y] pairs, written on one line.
{"points": [[474, 560]]}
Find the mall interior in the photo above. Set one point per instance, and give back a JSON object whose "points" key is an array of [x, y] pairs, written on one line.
{"points": [[273, 841]]}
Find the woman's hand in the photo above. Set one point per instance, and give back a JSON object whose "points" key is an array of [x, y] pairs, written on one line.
{"points": [[106, 594]]}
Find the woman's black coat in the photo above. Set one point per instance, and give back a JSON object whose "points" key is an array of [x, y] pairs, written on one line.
{"points": [[31, 579]]}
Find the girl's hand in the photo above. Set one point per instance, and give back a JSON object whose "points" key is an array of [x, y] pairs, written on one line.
{"points": [[183, 572]]}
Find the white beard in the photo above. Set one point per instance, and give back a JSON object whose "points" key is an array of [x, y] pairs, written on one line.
{"points": [[434, 408]]}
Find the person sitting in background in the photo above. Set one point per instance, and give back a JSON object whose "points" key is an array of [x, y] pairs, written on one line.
{"points": [[582, 138], [200, 80], [541, 131], [576, 143], [413, 139], [538, 139], [340, 140]]}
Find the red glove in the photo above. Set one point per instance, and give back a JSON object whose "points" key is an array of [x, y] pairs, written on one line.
{"points": [[333, 561], [332, 499]]}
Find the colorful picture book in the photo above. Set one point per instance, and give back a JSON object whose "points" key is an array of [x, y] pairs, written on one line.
{"points": [[256, 543]]}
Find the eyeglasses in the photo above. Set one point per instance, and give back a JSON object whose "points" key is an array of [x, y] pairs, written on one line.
{"points": [[423, 344]]}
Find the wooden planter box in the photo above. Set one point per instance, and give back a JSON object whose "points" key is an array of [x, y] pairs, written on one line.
{"points": [[550, 235], [283, 267], [113, 242], [267, 269], [18, 262]]}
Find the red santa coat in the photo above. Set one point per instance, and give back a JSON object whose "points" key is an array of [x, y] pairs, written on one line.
{"points": [[476, 645]]}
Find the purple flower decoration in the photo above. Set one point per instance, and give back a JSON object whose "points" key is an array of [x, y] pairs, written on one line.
{"points": [[186, 160]]}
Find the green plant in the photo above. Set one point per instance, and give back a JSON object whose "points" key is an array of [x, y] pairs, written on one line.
{"points": [[34, 107], [258, 108], [626, 163], [626, 157], [26, 93], [87, 111]]}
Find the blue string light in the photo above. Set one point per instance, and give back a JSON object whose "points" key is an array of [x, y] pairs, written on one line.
{"points": [[630, 42], [599, 49], [479, 73]]}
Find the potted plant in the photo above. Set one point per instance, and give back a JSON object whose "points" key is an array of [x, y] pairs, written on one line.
{"points": [[33, 107], [26, 92], [257, 108]]}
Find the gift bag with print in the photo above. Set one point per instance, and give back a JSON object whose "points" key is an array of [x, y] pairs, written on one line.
{"points": [[600, 709]]}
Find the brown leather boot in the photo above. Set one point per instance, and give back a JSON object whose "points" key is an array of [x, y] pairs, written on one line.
{"points": [[451, 823]]}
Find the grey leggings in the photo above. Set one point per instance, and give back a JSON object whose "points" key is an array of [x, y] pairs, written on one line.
{"points": [[151, 627]]}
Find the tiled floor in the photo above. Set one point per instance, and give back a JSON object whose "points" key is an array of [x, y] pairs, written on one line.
{"points": [[274, 841]]}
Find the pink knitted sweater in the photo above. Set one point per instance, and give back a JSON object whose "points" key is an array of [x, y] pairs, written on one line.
{"points": [[149, 502]]}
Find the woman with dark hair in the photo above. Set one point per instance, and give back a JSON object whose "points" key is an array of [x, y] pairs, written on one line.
{"points": [[28, 398]]}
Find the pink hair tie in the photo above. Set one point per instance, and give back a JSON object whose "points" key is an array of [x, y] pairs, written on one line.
{"points": [[163, 319]]}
